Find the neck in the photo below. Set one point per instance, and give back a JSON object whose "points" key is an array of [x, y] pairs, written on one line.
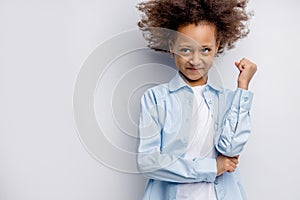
{"points": [[192, 83]]}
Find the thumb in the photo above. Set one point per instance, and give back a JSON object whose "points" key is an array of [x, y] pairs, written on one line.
{"points": [[238, 65]]}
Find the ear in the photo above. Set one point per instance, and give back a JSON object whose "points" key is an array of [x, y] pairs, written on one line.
{"points": [[217, 48], [171, 46]]}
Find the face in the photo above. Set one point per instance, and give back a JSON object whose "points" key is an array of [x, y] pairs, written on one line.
{"points": [[194, 49]]}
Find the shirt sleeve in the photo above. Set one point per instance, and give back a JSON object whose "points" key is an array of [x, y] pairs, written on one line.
{"points": [[158, 165], [236, 125]]}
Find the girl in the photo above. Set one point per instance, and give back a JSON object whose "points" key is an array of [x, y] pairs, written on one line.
{"points": [[191, 131]]}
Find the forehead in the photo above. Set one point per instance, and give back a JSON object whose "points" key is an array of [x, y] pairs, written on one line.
{"points": [[200, 34]]}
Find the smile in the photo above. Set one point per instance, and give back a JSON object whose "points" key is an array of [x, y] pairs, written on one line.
{"points": [[194, 69]]}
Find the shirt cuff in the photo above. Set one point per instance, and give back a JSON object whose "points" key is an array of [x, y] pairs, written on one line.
{"points": [[207, 169], [243, 99]]}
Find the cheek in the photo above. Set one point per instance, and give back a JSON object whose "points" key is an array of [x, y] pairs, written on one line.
{"points": [[208, 63], [180, 61], [209, 60]]}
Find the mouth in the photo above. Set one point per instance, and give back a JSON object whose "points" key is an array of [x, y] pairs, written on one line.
{"points": [[195, 69]]}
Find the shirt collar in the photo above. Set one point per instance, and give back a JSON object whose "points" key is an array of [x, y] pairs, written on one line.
{"points": [[177, 83], [215, 80]]}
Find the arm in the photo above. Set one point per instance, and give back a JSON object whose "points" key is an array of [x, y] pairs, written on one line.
{"points": [[236, 124], [166, 166]]}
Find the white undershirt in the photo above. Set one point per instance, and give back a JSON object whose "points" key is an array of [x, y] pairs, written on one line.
{"points": [[201, 145]]}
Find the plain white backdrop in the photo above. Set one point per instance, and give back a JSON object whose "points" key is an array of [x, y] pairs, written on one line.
{"points": [[43, 45]]}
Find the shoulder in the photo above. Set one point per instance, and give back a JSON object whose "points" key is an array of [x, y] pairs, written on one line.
{"points": [[156, 93]]}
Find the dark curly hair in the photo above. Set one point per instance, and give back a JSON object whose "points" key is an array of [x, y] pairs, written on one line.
{"points": [[229, 16]]}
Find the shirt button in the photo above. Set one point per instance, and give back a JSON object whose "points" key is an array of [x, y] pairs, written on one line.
{"points": [[216, 126]]}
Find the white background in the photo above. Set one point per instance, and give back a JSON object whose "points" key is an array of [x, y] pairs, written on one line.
{"points": [[43, 45]]}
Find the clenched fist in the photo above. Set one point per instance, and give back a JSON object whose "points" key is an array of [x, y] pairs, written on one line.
{"points": [[226, 164], [247, 70]]}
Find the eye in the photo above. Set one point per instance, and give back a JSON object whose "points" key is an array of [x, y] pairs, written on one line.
{"points": [[206, 50], [185, 50]]}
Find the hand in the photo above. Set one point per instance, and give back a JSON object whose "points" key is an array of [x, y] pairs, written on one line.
{"points": [[226, 164], [247, 70]]}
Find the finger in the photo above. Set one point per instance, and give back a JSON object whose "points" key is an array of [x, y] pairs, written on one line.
{"points": [[244, 59], [231, 169], [239, 65], [235, 161], [236, 157], [233, 165]]}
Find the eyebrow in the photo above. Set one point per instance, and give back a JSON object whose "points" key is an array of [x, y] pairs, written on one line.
{"points": [[190, 46]]}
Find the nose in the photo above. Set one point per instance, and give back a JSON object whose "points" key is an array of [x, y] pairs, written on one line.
{"points": [[195, 59]]}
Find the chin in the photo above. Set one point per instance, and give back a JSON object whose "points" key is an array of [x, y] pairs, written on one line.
{"points": [[195, 77]]}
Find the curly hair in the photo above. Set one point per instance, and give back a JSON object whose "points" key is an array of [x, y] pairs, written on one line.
{"points": [[229, 17]]}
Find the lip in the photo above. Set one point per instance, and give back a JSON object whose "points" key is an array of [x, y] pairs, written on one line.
{"points": [[194, 69]]}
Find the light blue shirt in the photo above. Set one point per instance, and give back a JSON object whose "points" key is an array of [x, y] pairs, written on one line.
{"points": [[166, 113]]}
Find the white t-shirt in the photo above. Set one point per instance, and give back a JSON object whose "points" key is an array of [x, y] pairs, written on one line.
{"points": [[201, 145]]}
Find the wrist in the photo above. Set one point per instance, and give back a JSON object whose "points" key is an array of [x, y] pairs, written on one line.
{"points": [[243, 85]]}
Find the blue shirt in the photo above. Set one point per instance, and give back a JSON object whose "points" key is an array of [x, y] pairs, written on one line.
{"points": [[164, 127]]}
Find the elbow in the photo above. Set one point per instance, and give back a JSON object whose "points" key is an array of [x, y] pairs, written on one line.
{"points": [[231, 149], [233, 144], [145, 163], [227, 151], [152, 162], [141, 166]]}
